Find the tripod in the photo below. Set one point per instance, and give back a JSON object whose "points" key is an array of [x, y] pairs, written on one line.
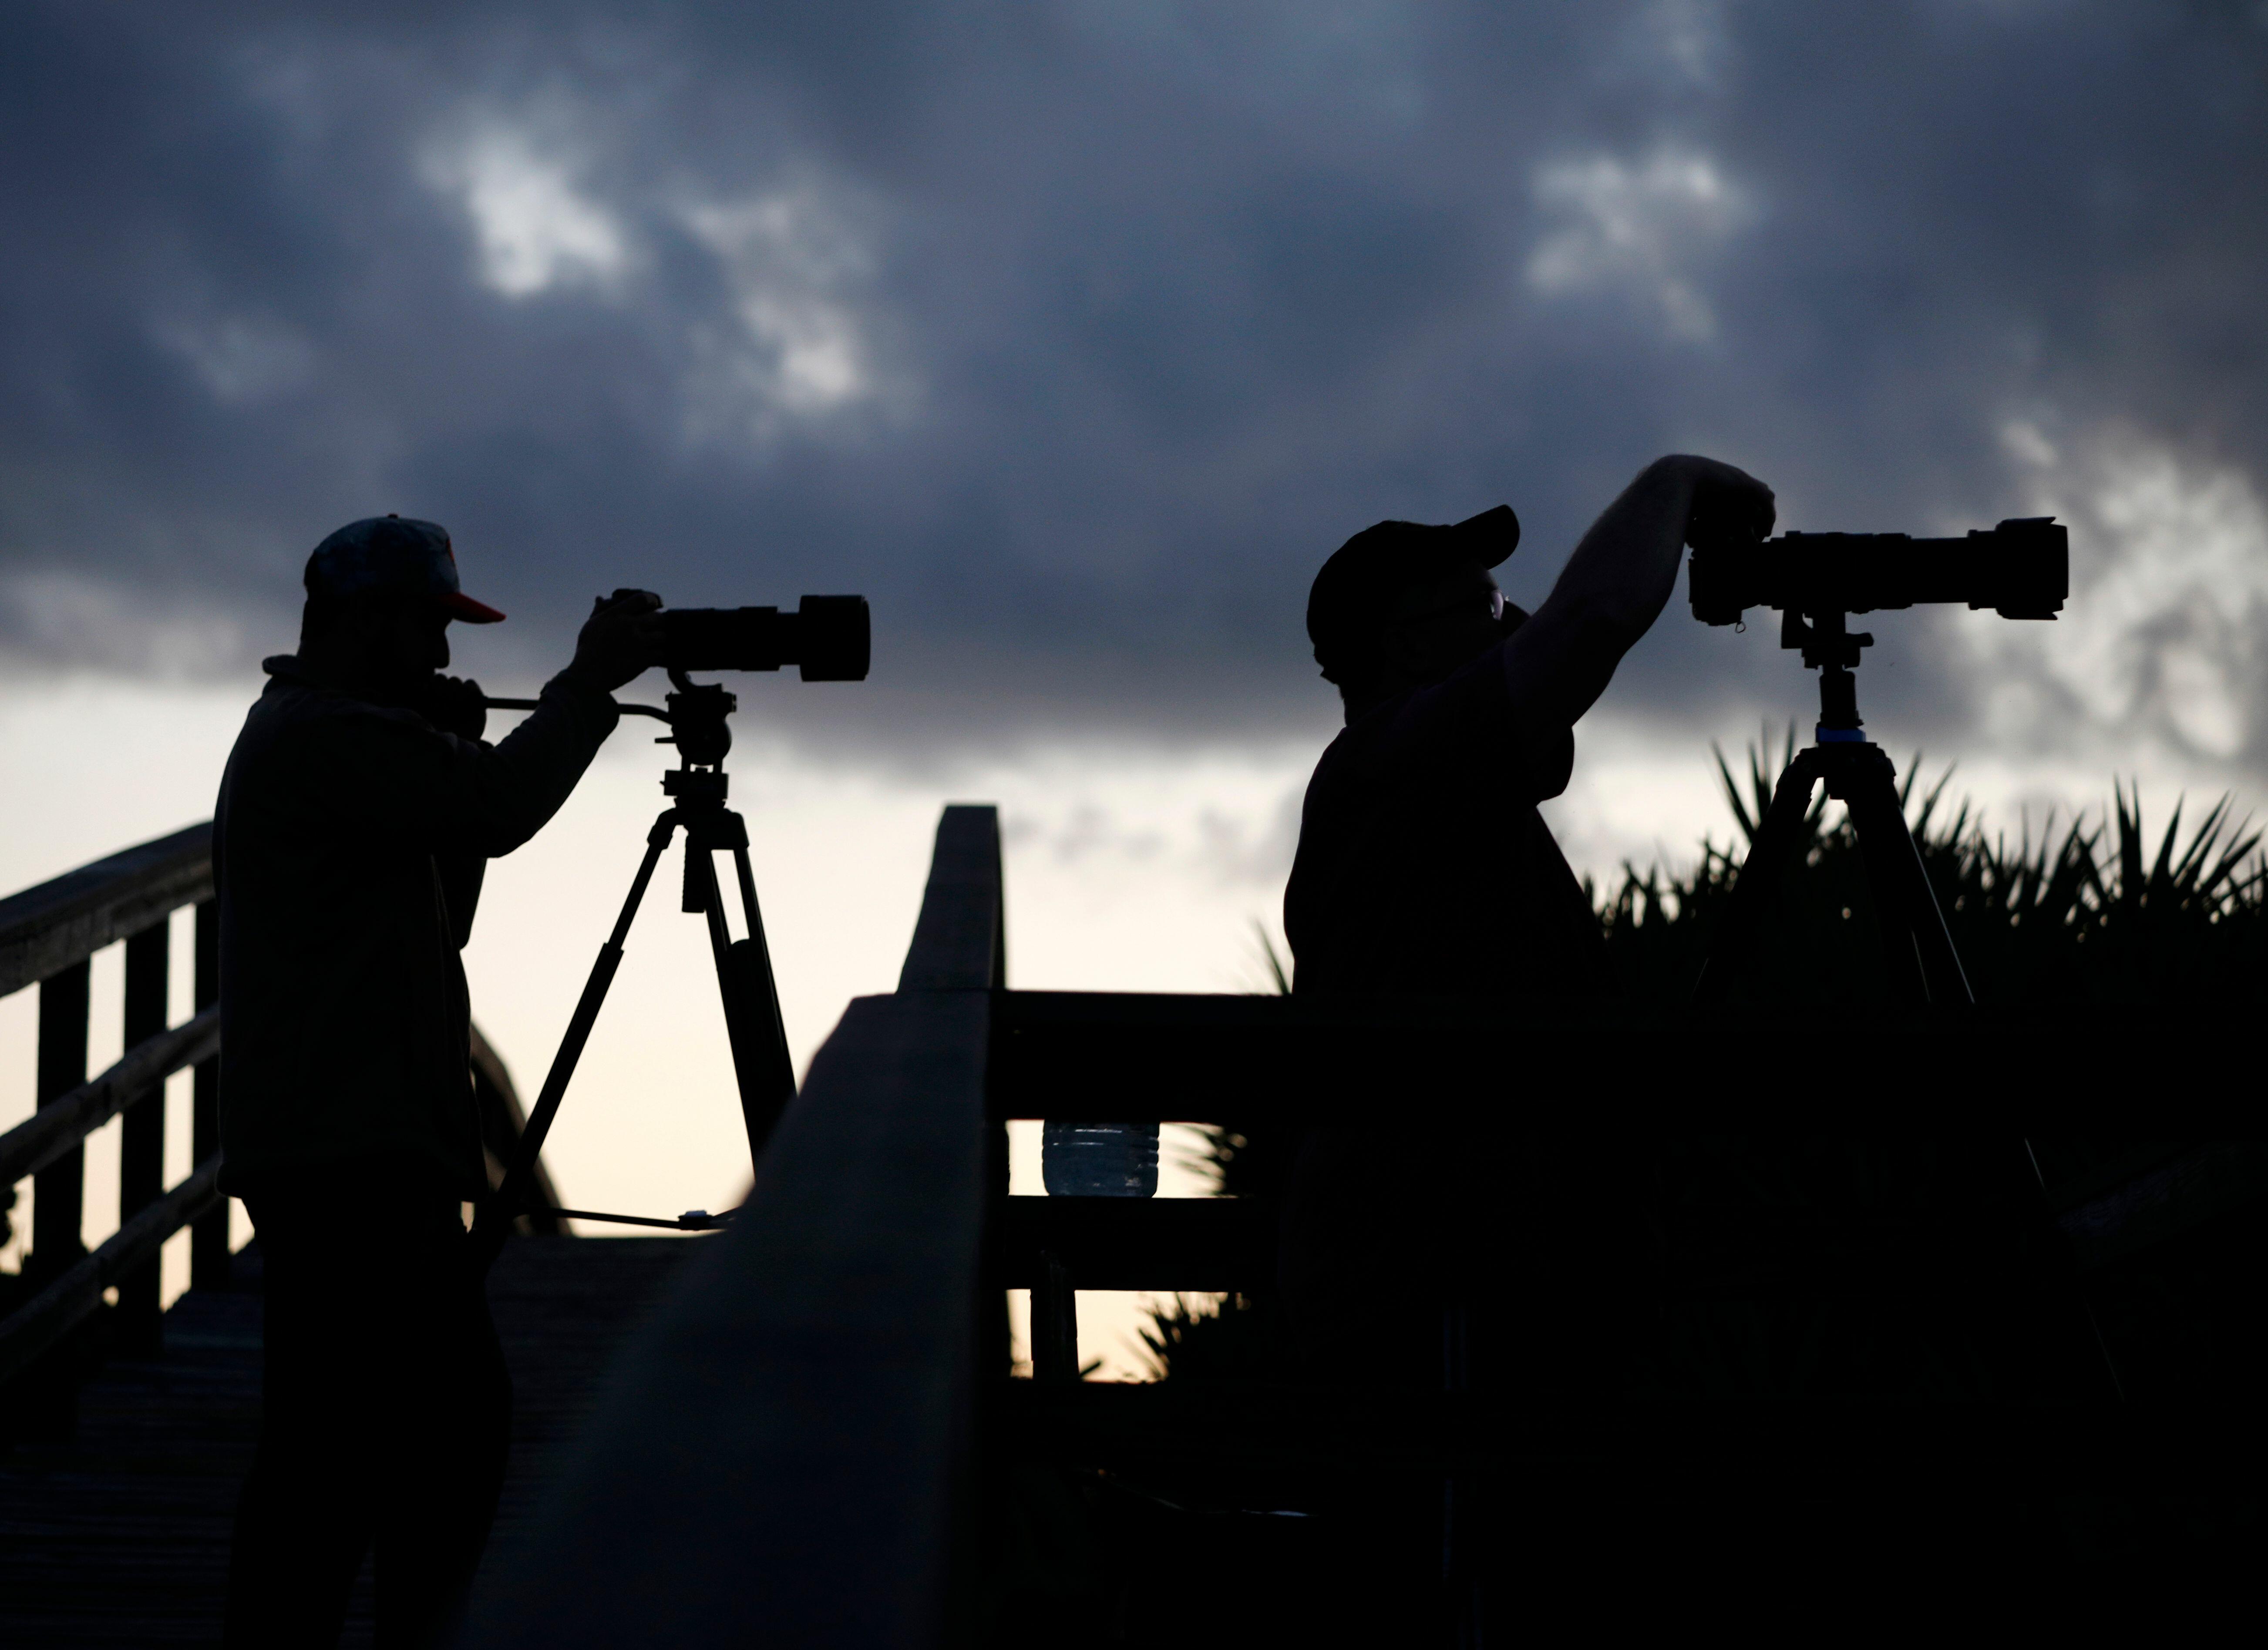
{"points": [[1924, 968], [761, 1066]]}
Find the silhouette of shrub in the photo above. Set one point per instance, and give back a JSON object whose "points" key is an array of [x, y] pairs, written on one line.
{"points": [[2087, 913], [2091, 911]]}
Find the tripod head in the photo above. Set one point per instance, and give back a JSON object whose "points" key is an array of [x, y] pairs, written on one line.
{"points": [[696, 714], [697, 727], [1832, 649]]}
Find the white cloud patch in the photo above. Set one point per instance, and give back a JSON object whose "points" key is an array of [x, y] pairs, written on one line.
{"points": [[242, 361], [2165, 634], [536, 226], [1644, 229], [794, 266]]}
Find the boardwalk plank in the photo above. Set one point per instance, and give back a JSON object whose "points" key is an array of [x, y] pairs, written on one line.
{"points": [[119, 1535]]}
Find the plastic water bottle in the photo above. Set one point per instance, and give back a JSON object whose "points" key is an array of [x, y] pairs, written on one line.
{"points": [[1099, 1159]]}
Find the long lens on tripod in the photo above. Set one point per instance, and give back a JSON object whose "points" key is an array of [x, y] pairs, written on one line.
{"points": [[2020, 569], [829, 639]]}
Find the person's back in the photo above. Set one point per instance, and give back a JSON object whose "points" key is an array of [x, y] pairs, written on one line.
{"points": [[340, 976], [349, 842]]}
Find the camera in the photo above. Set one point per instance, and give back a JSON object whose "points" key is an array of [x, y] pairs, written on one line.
{"points": [[827, 638], [2020, 569]]}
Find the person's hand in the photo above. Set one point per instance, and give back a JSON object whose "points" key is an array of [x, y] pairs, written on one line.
{"points": [[1727, 506], [453, 704], [621, 638]]}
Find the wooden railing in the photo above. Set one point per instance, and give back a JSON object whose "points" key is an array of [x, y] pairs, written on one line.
{"points": [[806, 1446], [48, 936], [787, 1455]]}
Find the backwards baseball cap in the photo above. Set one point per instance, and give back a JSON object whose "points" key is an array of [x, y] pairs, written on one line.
{"points": [[1354, 594], [389, 555]]}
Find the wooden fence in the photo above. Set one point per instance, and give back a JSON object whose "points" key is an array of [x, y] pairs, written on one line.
{"points": [[48, 936]]}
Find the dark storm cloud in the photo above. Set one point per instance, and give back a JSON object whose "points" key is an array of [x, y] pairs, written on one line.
{"points": [[1076, 335]]}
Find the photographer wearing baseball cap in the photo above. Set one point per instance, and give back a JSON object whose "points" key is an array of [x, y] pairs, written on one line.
{"points": [[358, 814], [1423, 865], [1423, 868]]}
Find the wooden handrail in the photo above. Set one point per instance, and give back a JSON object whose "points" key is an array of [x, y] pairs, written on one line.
{"points": [[46, 935], [961, 941], [60, 1124], [46, 929], [786, 1455], [61, 922], [50, 1315], [1591, 1065]]}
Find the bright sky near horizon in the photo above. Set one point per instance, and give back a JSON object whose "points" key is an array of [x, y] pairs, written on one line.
{"points": [[1075, 334]]}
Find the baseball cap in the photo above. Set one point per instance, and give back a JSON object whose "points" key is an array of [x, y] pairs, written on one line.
{"points": [[1348, 604], [392, 555]]}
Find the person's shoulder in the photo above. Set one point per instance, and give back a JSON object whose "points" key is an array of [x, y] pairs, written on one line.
{"points": [[1350, 760], [1347, 746], [1391, 724], [298, 719], [1471, 701], [1375, 727]]}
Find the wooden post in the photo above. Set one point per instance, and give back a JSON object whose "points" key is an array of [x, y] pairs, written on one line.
{"points": [[209, 1237], [59, 1190], [1054, 1322], [961, 938], [141, 1137], [44, 1399]]}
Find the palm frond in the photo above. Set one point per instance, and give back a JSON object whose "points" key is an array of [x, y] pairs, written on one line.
{"points": [[2092, 909], [1277, 972]]}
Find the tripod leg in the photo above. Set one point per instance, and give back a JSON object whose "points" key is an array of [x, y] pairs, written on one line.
{"points": [[1916, 942], [496, 1214], [1921, 951], [758, 995], [1780, 836], [761, 1063], [2087, 1346]]}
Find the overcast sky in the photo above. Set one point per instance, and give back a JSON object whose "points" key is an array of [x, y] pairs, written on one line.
{"points": [[1075, 335]]}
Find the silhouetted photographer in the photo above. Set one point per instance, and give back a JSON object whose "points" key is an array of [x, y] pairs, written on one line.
{"points": [[358, 814], [1423, 866], [1439, 1249]]}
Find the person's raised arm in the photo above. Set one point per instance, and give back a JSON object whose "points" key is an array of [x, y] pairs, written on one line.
{"points": [[1614, 585], [395, 777]]}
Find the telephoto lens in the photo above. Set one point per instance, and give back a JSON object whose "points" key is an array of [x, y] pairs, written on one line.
{"points": [[827, 638], [2020, 569]]}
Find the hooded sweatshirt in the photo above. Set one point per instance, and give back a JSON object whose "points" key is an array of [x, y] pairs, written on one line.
{"points": [[349, 846]]}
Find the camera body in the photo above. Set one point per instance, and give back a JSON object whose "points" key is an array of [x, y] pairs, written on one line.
{"points": [[827, 638], [2020, 569]]}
